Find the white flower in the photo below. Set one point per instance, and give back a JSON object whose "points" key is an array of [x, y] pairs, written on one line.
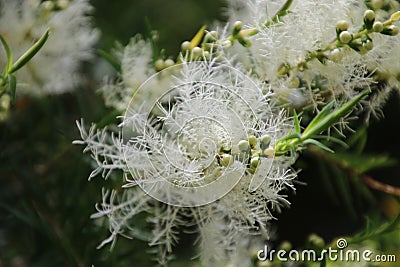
{"points": [[280, 52], [55, 69], [182, 150], [136, 67]]}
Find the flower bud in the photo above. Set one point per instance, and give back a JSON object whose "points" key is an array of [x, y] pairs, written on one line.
{"points": [[226, 44], [345, 37], [197, 51], [254, 162], [211, 36], [368, 45], [62, 4], [237, 27], [265, 140], [369, 18], [185, 46], [206, 55], [47, 5], [342, 25], [377, 4], [226, 160], [391, 30], [269, 152], [377, 26], [244, 145], [316, 240], [294, 82], [169, 63], [335, 55], [159, 64], [252, 140], [369, 15]]}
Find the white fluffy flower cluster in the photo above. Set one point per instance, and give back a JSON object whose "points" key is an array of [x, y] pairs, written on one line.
{"points": [[55, 69], [200, 153], [299, 54], [200, 142]]}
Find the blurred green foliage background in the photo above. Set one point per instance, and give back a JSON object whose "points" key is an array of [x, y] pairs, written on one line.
{"points": [[46, 200]]}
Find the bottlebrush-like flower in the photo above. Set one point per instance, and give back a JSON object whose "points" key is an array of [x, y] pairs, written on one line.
{"points": [[55, 69], [314, 51], [198, 155]]}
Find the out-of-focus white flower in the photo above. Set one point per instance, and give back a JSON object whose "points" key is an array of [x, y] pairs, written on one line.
{"points": [[136, 67], [55, 69]]}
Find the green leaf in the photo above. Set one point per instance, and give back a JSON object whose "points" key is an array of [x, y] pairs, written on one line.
{"points": [[326, 118], [321, 115], [13, 86], [358, 140], [318, 144], [297, 128], [333, 140], [363, 162], [197, 38], [383, 229], [30, 53], [9, 55], [110, 59]]}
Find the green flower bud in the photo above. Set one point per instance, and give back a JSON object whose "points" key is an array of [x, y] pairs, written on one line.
{"points": [[169, 63], [237, 27], [265, 140], [335, 55], [377, 4], [342, 25], [294, 82], [5, 101], [316, 240], [217, 172], [226, 160], [185, 46], [269, 152], [252, 140], [48, 5], [369, 18], [197, 51], [244, 145], [206, 54], [159, 64], [211, 36], [226, 44], [62, 4], [254, 162], [345, 37], [285, 245], [377, 26], [244, 42], [369, 15], [368, 45], [391, 30]]}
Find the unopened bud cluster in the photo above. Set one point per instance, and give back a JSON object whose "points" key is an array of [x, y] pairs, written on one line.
{"points": [[250, 151], [199, 50], [54, 5], [361, 41]]}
